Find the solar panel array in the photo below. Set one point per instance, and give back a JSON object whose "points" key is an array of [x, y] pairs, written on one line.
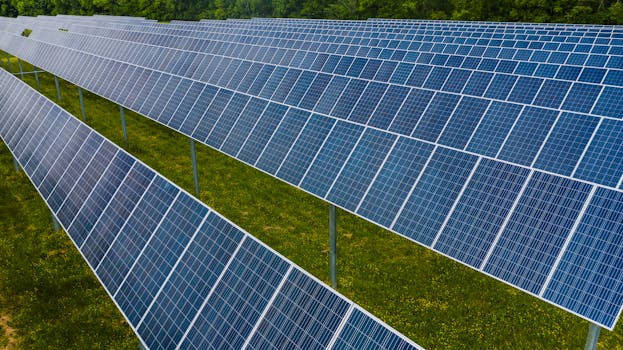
{"points": [[183, 276], [499, 146]]}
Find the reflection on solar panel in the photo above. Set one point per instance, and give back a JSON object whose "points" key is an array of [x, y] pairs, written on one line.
{"points": [[487, 143], [183, 276]]}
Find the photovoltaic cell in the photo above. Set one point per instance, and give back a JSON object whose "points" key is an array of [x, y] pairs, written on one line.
{"points": [[136, 232], [305, 149]]}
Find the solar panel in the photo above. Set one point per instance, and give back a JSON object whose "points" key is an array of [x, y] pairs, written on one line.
{"points": [[445, 143], [182, 275]]}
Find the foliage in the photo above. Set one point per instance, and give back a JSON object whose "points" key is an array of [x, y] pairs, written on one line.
{"points": [[437, 302], [572, 11]]}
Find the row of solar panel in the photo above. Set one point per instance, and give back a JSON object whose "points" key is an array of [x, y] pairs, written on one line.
{"points": [[520, 49], [397, 26], [181, 274], [387, 31], [553, 65], [423, 44], [507, 131], [383, 32], [430, 194]]}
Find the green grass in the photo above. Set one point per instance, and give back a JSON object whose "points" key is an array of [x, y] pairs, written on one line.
{"points": [[435, 301]]}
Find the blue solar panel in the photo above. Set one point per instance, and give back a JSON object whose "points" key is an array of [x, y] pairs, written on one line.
{"points": [[549, 206], [566, 143], [313, 312], [331, 157], [237, 302], [391, 186], [305, 149], [135, 233], [103, 234], [468, 234], [190, 283], [159, 255], [609, 103], [581, 97], [411, 111], [528, 134], [284, 136], [435, 117], [463, 122], [432, 197], [592, 262], [357, 174], [362, 332]]}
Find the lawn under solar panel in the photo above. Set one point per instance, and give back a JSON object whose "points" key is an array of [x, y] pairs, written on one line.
{"points": [[164, 233], [435, 180]]}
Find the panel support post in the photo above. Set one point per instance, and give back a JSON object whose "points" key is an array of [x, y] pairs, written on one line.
{"points": [[21, 70], [8, 62], [16, 165], [37, 78], [57, 226], [193, 157], [84, 116], [593, 337], [58, 89], [123, 127], [333, 245]]}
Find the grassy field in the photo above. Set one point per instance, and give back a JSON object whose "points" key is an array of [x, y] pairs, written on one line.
{"points": [[49, 296]]}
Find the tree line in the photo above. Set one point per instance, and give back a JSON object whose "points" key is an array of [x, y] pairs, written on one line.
{"points": [[569, 11]]}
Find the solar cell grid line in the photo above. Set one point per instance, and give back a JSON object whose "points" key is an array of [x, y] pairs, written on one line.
{"points": [[205, 214]]}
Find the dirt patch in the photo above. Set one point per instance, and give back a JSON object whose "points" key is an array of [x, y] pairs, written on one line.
{"points": [[7, 334]]}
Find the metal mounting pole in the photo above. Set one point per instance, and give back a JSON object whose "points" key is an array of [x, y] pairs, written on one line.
{"points": [[21, 70], [193, 156], [37, 78], [333, 245], [84, 116], [593, 337], [123, 127], [58, 88], [57, 226], [16, 164]]}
